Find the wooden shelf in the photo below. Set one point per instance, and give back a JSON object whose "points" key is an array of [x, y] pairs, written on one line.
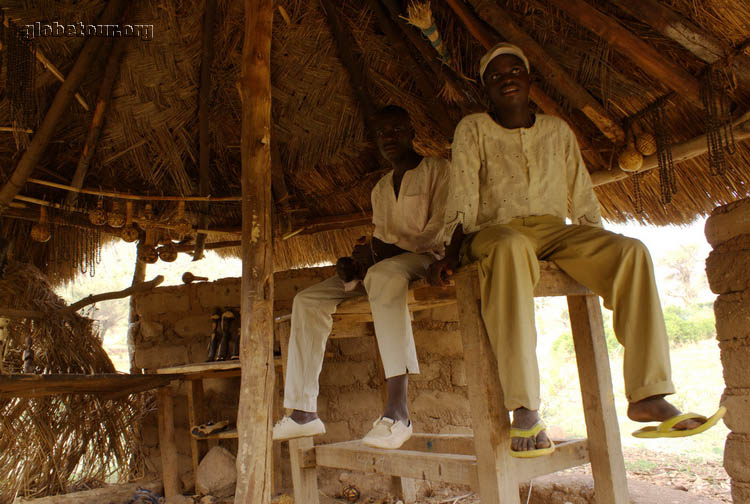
{"points": [[106, 385]]}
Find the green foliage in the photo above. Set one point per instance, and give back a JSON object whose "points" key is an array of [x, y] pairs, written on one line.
{"points": [[688, 324], [563, 345]]}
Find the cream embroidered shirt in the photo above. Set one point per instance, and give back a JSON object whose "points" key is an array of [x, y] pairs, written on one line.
{"points": [[498, 174], [414, 221]]}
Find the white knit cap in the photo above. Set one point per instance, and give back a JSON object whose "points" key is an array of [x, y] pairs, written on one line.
{"points": [[501, 48]]}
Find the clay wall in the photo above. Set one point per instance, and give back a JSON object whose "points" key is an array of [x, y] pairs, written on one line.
{"points": [[174, 326]]}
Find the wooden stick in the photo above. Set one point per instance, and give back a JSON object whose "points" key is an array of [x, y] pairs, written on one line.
{"points": [[552, 71], [13, 128], [204, 93], [488, 38], [684, 151], [254, 415], [48, 65], [642, 54], [344, 42], [134, 197], [97, 122], [91, 299], [139, 276], [33, 154], [422, 78]]}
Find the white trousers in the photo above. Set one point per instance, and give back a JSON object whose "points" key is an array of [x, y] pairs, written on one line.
{"points": [[387, 286]]}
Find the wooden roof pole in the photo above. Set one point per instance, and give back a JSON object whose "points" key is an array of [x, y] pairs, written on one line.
{"points": [[547, 104], [642, 54], [552, 71], [344, 41], [421, 77], [681, 152], [686, 33], [97, 121], [30, 158], [255, 453], [204, 94]]}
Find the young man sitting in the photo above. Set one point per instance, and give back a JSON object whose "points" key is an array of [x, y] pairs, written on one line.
{"points": [[516, 175], [408, 207]]}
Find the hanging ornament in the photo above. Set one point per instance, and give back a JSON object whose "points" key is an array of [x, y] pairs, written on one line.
{"points": [[645, 143], [97, 216], [420, 15], [667, 180], [146, 250], [180, 226], [167, 252], [147, 221], [719, 127], [115, 217], [129, 233], [41, 231], [630, 160]]}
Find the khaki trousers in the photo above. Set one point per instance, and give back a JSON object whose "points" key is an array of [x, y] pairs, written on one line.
{"points": [[615, 267], [387, 286]]}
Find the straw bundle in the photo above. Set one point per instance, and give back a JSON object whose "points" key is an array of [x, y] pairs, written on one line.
{"points": [[58, 444]]}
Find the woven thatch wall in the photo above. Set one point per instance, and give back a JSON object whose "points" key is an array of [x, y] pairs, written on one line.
{"points": [[57, 444], [150, 140]]}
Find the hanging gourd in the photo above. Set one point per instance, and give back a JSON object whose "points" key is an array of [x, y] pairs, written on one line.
{"points": [[630, 160], [147, 221], [40, 231], [115, 217], [180, 226], [129, 233], [97, 216], [645, 143], [146, 250], [167, 252]]}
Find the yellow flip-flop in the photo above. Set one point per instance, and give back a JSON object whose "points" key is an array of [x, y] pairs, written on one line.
{"points": [[666, 428], [529, 433]]}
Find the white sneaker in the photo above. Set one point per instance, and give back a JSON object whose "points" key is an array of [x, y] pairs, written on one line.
{"points": [[286, 428], [386, 433]]}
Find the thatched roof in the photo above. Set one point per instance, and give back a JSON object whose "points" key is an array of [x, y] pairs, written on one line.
{"points": [[150, 142]]}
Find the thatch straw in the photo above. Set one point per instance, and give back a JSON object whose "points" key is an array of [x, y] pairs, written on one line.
{"points": [[62, 443]]}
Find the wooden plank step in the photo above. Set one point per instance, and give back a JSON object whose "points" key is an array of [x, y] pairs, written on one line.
{"points": [[568, 453], [355, 456]]}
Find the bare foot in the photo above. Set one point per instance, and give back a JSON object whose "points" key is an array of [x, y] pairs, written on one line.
{"points": [[303, 417], [657, 409], [526, 419]]}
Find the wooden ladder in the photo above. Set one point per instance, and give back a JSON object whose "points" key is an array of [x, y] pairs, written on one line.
{"points": [[483, 460]]}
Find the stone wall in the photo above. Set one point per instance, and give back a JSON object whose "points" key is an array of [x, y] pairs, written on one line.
{"points": [[728, 271], [174, 327]]}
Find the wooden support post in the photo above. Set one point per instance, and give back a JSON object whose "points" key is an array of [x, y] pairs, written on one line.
{"points": [[304, 478], [167, 444], [485, 36], [139, 276], [681, 152], [255, 452], [605, 450], [495, 467], [344, 42], [552, 71], [97, 121], [196, 416], [642, 54], [30, 158], [692, 37], [204, 94]]}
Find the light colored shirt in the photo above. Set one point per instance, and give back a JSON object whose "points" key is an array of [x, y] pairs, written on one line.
{"points": [[415, 221], [499, 174]]}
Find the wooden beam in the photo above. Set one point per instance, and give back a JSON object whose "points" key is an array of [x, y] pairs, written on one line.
{"points": [[424, 81], [139, 276], [550, 70], [111, 493], [485, 36], [254, 415], [167, 444], [97, 121], [32, 155], [681, 152], [344, 41], [639, 52], [204, 94]]}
